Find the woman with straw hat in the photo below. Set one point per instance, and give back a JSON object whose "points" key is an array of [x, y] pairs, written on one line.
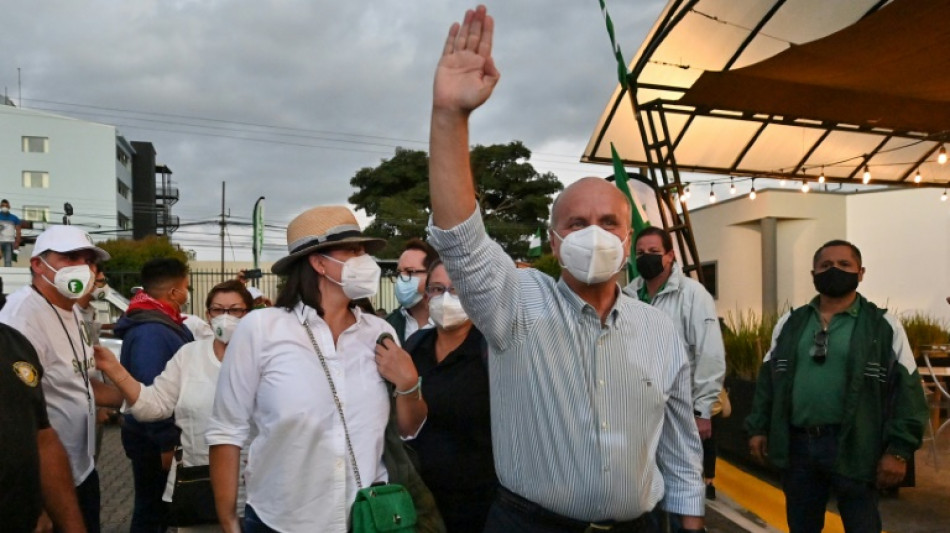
{"points": [[307, 377]]}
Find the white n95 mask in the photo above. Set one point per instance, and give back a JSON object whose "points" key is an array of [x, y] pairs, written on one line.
{"points": [[592, 255], [446, 311], [72, 282], [360, 276], [223, 327]]}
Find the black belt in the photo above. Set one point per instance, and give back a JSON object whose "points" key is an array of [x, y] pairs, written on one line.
{"points": [[817, 431], [540, 515]]}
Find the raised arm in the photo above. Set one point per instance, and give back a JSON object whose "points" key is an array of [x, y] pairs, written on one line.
{"points": [[464, 79]]}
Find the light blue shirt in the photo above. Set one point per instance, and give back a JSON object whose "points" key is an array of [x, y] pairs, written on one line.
{"points": [[590, 421]]}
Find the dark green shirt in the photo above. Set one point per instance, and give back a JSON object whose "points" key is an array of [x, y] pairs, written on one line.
{"points": [[644, 294], [818, 389]]}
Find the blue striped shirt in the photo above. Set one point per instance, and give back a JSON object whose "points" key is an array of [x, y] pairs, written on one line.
{"points": [[590, 421]]}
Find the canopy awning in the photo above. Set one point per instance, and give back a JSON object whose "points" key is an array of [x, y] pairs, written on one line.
{"points": [[778, 88]]}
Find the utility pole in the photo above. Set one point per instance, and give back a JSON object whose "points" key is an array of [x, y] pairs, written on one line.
{"points": [[19, 85], [223, 224]]}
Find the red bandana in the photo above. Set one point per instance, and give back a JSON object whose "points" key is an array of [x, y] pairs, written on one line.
{"points": [[144, 302]]}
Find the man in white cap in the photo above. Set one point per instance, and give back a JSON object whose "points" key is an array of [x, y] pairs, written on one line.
{"points": [[46, 314]]}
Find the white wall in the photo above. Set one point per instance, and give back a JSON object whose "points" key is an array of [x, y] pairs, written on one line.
{"points": [[80, 162], [904, 237]]}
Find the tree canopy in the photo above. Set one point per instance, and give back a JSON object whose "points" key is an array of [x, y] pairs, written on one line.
{"points": [[128, 256], [514, 197]]}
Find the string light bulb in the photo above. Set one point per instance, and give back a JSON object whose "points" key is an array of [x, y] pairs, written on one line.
{"points": [[821, 177], [752, 192], [805, 186], [712, 194], [942, 155], [918, 178], [943, 197], [732, 185], [781, 182], [686, 193], [867, 175]]}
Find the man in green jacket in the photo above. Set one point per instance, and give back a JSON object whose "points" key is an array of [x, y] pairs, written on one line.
{"points": [[838, 404]]}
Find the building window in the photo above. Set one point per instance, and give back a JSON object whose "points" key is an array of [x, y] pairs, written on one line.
{"points": [[124, 222], [36, 213], [34, 179], [709, 278], [122, 188], [36, 144], [122, 157]]}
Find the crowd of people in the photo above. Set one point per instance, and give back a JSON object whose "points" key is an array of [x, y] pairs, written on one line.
{"points": [[501, 399]]}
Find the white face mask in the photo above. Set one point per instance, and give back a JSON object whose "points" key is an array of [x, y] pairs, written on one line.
{"points": [[592, 255], [4, 210], [101, 293], [360, 276], [71, 281], [223, 327], [446, 311]]}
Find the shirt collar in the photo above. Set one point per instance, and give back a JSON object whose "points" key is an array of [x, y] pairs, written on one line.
{"points": [[852, 309], [579, 304]]}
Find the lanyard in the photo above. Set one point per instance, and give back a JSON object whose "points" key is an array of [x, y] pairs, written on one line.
{"points": [[83, 370]]}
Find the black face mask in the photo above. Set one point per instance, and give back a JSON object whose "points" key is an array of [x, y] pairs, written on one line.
{"points": [[650, 265], [835, 282]]}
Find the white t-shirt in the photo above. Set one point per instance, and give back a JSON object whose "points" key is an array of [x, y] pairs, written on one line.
{"points": [[299, 476], [69, 400], [186, 389]]}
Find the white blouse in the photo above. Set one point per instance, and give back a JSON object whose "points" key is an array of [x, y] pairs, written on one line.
{"points": [[299, 475], [185, 388]]}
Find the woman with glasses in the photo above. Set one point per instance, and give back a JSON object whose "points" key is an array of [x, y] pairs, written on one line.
{"points": [[186, 387], [454, 445]]}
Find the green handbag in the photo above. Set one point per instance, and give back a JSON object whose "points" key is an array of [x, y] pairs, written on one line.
{"points": [[380, 508]]}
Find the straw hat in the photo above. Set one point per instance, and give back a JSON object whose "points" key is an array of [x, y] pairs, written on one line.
{"points": [[321, 228]]}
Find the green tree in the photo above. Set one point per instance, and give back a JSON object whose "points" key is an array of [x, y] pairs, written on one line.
{"points": [[129, 255], [514, 197]]}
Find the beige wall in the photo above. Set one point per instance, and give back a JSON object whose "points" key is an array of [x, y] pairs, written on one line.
{"points": [[904, 237]]}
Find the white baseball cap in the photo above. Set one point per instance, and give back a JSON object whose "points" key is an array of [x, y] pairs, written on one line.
{"points": [[64, 239], [255, 292]]}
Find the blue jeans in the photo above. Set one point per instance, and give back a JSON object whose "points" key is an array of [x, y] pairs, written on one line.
{"points": [[150, 513], [809, 481], [253, 524], [6, 248]]}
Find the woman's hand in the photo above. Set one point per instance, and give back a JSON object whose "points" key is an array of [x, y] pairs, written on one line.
{"points": [[106, 360], [395, 365]]}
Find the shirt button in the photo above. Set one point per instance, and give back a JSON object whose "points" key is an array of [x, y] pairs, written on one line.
{"points": [[603, 425], [600, 382]]}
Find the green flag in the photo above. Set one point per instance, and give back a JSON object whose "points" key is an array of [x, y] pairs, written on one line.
{"points": [[638, 213], [534, 245], [621, 66]]}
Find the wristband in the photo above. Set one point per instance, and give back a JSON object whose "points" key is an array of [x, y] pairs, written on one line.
{"points": [[416, 388]]}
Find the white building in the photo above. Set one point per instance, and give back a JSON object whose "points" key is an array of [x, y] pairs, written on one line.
{"points": [[115, 189], [47, 160], [763, 248]]}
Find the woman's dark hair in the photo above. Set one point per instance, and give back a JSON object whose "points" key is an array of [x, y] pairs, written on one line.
{"points": [[432, 266], [232, 285], [302, 284]]}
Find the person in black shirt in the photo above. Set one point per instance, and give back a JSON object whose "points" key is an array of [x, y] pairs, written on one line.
{"points": [[33, 464], [454, 445]]}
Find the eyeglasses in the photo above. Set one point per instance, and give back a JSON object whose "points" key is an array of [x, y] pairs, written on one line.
{"points": [[439, 290], [407, 273], [819, 352], [236, 312]]}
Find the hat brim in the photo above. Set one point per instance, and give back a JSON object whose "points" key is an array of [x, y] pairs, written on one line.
{"points": [[371, 244], [101, 254]]}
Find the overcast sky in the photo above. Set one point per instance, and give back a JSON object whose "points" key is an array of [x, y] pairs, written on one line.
{"points": [[290, 99]]}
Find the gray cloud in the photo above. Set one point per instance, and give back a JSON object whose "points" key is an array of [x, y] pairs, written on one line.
{"points": [[350, 81]]}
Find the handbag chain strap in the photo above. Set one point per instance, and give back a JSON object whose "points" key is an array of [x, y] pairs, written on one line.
{"points": [[336, 400]]}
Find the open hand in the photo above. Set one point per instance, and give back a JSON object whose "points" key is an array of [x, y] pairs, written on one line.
{"points": [[466, 74]]}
